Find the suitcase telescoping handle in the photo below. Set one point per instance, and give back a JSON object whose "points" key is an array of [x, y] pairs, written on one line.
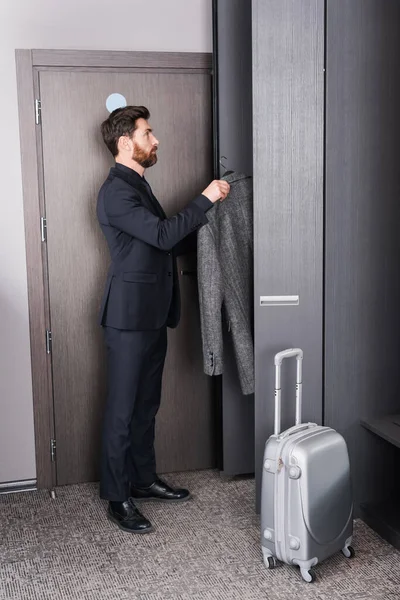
{"points": [[279, 358]]}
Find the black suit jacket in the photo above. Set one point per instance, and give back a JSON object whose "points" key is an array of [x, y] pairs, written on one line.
{"points": [[142, 288]]}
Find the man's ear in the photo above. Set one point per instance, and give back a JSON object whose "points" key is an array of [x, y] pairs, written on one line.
{"points": [[124, 143]]}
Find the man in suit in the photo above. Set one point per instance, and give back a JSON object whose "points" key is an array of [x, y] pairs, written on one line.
{"points": [[141, 300]]}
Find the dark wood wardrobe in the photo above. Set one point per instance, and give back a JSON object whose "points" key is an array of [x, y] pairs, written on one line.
{"points": [[319, 128]]}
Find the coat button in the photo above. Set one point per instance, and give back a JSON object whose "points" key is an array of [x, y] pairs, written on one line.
{"points": [[168, 253], [169, 273]]}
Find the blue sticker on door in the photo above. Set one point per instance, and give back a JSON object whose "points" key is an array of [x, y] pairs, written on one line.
{"points": [[115, 101]]}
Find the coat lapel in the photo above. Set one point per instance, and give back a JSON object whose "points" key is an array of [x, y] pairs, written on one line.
{"points": [[159, 209], [136, 182]]}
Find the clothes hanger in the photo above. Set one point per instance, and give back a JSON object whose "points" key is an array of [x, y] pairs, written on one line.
{"points": [[227, 172]]}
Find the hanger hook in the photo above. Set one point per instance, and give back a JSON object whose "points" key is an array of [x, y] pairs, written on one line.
{"points": [[221, 163]]}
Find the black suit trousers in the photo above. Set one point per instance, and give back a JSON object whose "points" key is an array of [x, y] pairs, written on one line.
{"points": [[135, 367]]}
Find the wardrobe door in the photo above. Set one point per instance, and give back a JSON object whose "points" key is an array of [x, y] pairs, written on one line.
{"points": [[362, 289], [288, 113]]}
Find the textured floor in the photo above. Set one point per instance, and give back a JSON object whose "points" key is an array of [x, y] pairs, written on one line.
{"points": [[206, 549]]}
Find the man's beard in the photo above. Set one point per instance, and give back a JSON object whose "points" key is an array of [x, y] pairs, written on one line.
{"points": [[143, 158]]}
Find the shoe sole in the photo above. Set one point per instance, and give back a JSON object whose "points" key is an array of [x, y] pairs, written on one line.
{"points": [[118, 524], [165, 501]]}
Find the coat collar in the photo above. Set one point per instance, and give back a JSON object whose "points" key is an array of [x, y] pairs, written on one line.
{"points": [[134, 177], [234, 176]]}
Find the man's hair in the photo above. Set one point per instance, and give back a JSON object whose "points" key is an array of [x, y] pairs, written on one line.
{"points": [[121, 121]]}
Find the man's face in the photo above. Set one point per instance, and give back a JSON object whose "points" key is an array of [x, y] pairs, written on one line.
{"points": [[145, 145]]}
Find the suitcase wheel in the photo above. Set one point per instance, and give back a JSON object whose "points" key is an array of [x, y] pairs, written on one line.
{"points": [[348, 552], [271, 562], [308, 576]]}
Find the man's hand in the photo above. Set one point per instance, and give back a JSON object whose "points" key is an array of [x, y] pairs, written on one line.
{"points": [[217, 190]]}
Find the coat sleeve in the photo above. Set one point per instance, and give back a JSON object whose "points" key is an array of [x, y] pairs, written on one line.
{"points": [[211, 299], [125, 212]]}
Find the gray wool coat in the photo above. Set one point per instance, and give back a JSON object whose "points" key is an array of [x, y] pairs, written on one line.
{"points": [[225, 280]]}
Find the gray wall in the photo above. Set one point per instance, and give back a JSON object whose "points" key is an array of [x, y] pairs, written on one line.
{"points": [[288, 111], [176, 25], [362, 285]]}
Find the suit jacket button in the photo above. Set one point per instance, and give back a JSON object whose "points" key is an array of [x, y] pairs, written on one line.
{"points": [[169, 273], [168, 253]]}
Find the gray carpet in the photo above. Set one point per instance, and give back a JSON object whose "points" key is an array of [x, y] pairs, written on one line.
{"points": [[206, 549]]}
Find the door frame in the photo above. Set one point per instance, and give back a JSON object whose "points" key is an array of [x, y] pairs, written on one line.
{"points": [[29, 63]]}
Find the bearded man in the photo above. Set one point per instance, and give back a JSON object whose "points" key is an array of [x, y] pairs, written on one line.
{"points": [[140, 301]]}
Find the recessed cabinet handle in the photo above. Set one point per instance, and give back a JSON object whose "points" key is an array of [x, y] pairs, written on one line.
{"points": [[279, 300]]}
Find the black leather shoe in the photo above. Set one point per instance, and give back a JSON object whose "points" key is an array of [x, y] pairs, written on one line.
{"points": [[160, 490], [128, 517]]}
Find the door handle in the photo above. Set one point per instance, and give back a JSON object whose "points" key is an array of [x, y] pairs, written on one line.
{"points": [[192, 273]]}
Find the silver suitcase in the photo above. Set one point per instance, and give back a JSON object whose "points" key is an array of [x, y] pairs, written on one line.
{"points": [[306, 501]]}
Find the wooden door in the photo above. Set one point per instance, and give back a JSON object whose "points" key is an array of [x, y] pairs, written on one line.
{"points": [[75, 163]]}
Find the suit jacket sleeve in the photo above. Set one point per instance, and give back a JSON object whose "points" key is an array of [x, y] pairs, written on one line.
{"points": [[211, 299], [126, 212]]}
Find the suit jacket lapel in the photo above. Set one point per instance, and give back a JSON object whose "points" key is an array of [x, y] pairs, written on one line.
{"points": [[156, 203], [151, 202]]}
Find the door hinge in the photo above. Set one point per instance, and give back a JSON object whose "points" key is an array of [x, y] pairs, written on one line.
{"points": [[38, 111], [48, 341], [53, 449], [43, 228]]}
